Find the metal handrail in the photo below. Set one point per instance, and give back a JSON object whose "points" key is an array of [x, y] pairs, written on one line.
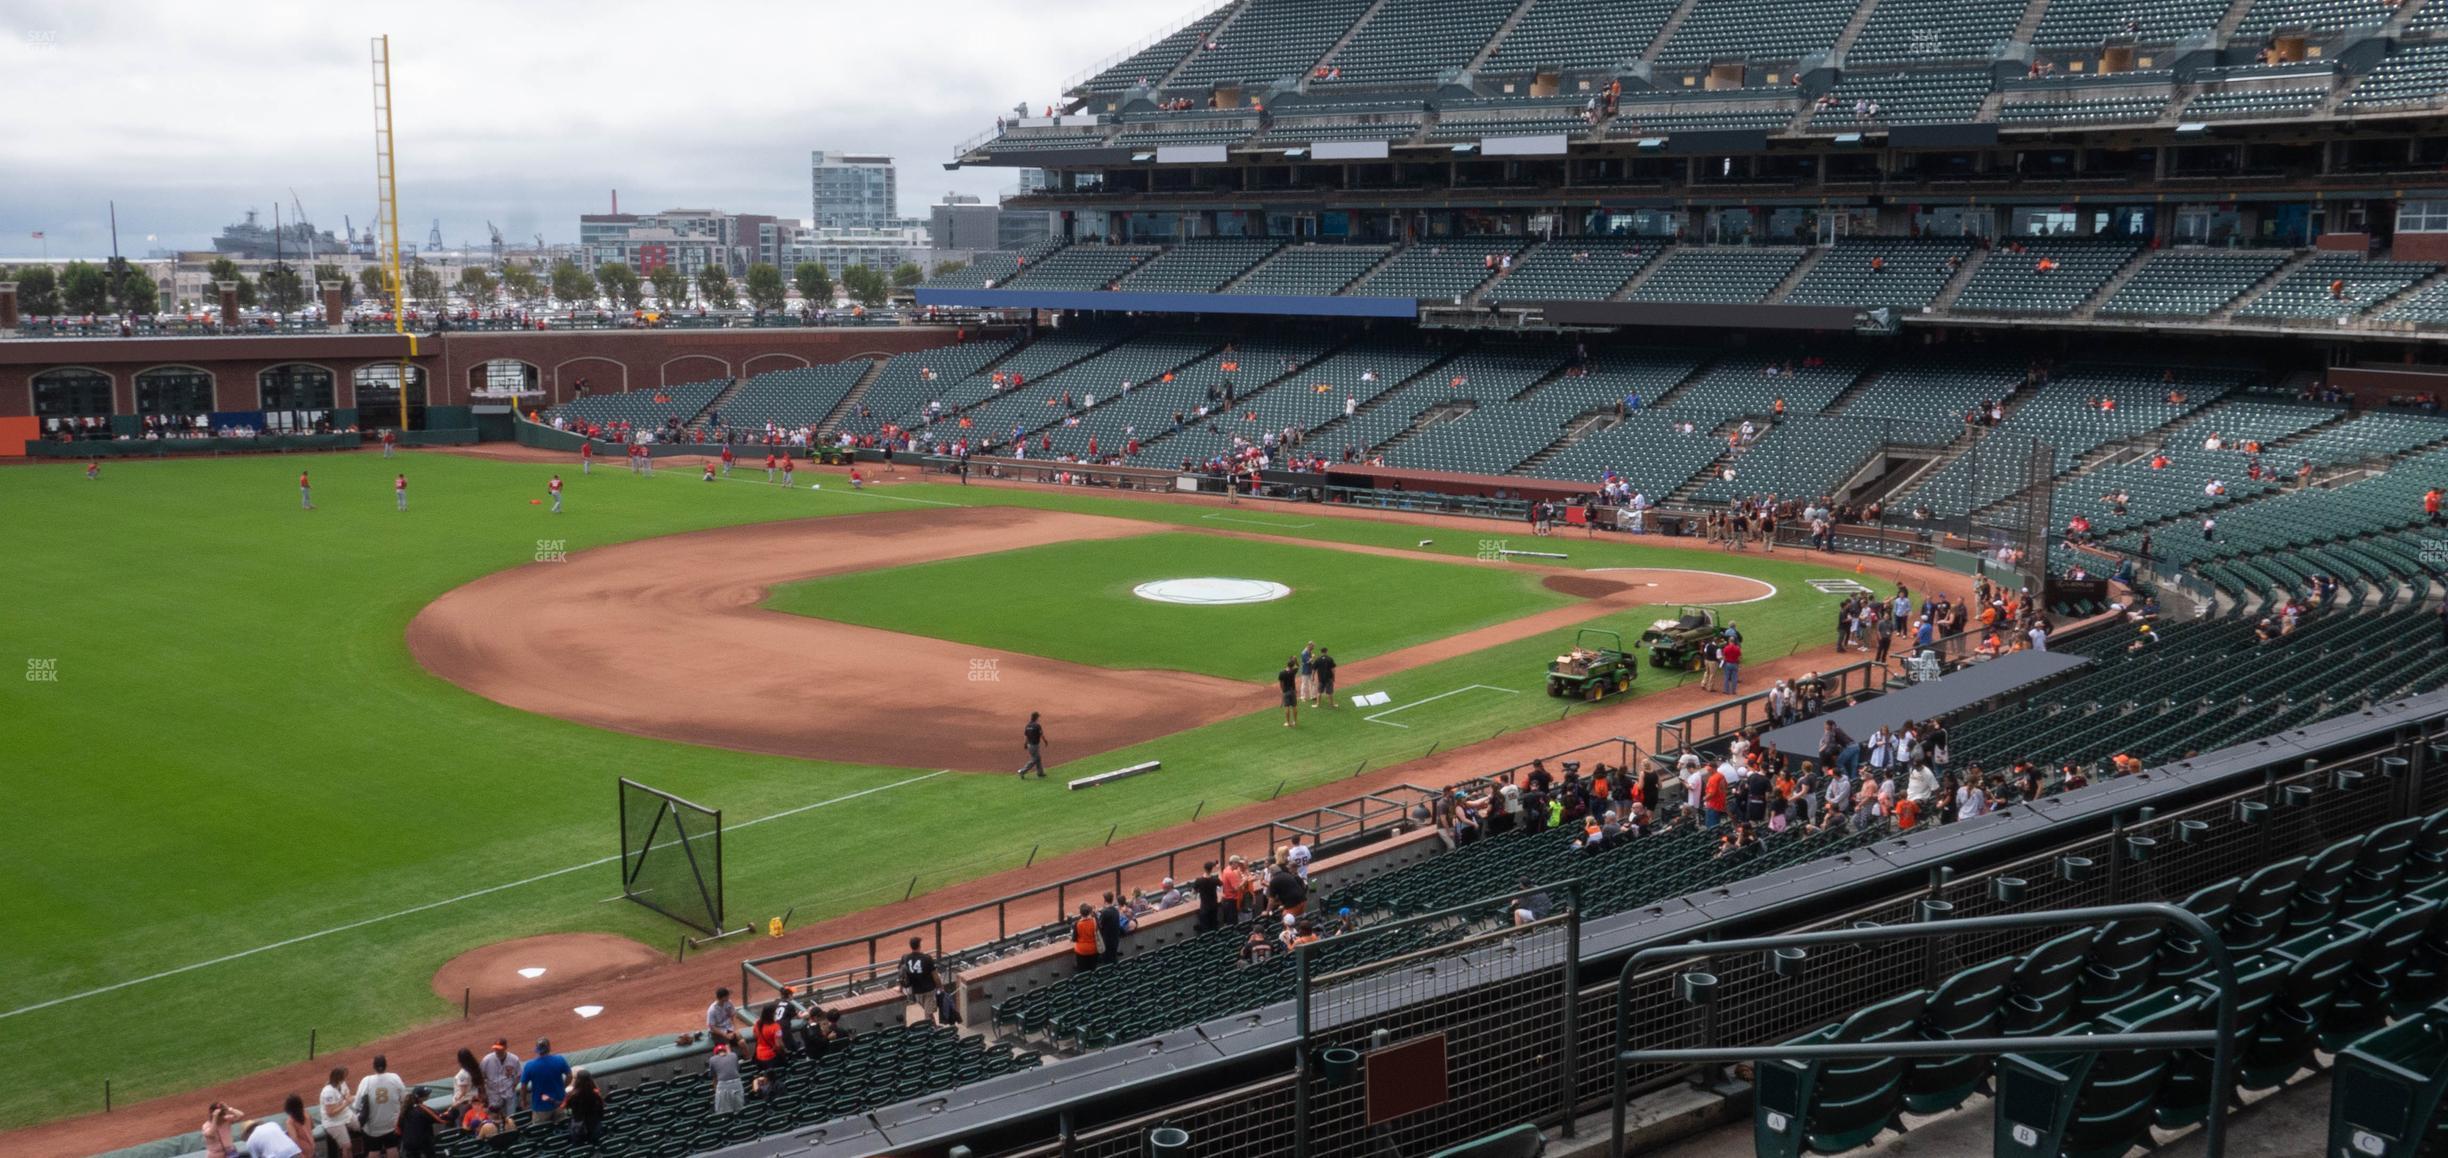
{"points": [[2218, 1039], [1315, 824]]}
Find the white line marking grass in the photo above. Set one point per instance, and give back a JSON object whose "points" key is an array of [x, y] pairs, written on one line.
{"points": [[1221, 518], [1379, 717], [430, 905]]}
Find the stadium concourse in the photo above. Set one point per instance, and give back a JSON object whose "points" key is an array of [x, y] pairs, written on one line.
{"points": [[642, 998]]}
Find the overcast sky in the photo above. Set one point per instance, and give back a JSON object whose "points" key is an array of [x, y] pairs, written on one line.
{"points": [[525, 113]]}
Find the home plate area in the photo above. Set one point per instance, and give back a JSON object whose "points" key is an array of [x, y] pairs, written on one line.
{"points": [[1372, 699], [576, 964]]}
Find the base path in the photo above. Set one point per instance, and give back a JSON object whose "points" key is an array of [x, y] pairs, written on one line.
{"points": [[668, 638]]}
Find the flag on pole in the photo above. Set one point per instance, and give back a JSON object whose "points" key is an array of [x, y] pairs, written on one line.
{"points": [[38, 235]]}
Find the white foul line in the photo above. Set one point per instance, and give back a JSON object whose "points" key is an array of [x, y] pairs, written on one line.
{"points": [[1440, 695], [300, 939], [1257, 523]]}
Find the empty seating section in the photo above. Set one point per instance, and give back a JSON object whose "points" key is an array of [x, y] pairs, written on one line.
{"points": [[1742, 30], [1441, 268], [2334, 285], [909, 381], [1493, 438], [1055, 397], [1661, 118], [645, 409], [1880, 272], [985, 270], [1417, 41], [1145, 412], [1080, 267], [1032, 140], [1149, 65], [792, 398], [1289, 130], [1647, 450], [2065, 414], [2048, 276], [2204, 685], [674, 1115], [1270, 40], [1901, 31], [2413, 75], [1580, 269], [1468, 122], [2289, 101], [1695, 273], [2298, 519], [2427, 307], [2086, 24], [1231, 131], [2086, 109], [1579, 36], [2191, 283], [2182, 487], [2267, 16], [1202, 978], [2365, 438], [1311, 270], [1305, 401], [1915, 98], [1802, 457], [1925, 398], [1751, 383], [1198, 266]]}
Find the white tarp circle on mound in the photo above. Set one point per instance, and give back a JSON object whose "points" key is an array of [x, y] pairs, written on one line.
{"points": [[1211, 592]]}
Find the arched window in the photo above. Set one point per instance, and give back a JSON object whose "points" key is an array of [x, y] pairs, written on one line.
{"points": [[174, 391], [378, 396], [73, 402], [297, 396]]}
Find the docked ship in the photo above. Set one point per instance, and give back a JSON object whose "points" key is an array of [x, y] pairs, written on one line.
{"points": [[252, 239]]}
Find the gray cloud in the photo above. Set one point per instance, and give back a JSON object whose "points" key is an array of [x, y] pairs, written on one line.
{"points": [[525, 113]]}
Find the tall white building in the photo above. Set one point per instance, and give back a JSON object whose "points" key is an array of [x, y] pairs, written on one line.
{"points": [[853, 191]]}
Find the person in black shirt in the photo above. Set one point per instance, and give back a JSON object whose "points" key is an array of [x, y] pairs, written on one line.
{"points": [[918, 980], [1289, 681], [1324, 666], [416, 1125], [1210, 890], [1289, 892], [1109, 926], [1033, 738]]}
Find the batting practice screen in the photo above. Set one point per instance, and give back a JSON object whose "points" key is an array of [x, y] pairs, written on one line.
{"points": [[671, 856]]}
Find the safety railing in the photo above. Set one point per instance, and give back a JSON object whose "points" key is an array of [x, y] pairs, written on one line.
{"points": [[1030, 913]]}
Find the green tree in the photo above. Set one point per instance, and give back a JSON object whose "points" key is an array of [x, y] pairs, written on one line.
{"points": [[670, 286], [325, 271], [425, 287], [284, 291], [766, 289], [815, 285], [38, 290], [223, 269], [84, 289], [621, 283], [948, 268], [522, 282], [137, 293], [714, 284], [476, 284], [572, 283], [865, 286], [907, 274], [375, 284]]}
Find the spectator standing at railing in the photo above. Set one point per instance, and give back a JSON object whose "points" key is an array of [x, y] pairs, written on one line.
{"points": [[918, 982], [1109, 931]]}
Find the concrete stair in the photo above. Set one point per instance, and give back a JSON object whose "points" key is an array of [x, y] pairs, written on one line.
{"points": [[1794, 276], [1954, 287], [1666, 31], [850, 402], [1346, 39], [2227, 313], [1479, 60], [1853, 27], [1218, 36]]}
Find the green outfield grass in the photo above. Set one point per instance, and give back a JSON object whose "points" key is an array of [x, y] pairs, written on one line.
{"points": [[245, 813], [1074, 601]]}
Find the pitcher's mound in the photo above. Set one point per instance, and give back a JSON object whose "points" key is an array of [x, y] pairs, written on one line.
{"points": [[496, 975], [1584, 587]]}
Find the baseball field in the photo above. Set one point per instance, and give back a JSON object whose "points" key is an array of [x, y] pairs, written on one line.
{"points": [[272, 768]]}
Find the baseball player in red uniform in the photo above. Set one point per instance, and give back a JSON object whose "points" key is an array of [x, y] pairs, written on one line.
{"points": [[305, 492], [93, 469], [586, 457], [399, 490], [786, 470], [390, 441], [555, 487], [726, 462], [709, 472], [769, 466]]}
